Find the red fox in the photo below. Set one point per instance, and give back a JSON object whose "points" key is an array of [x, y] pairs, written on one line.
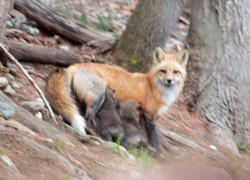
{"points": [[155, 90]]}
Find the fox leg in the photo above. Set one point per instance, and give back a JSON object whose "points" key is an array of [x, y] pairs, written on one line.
{"points": [[78, 122], [89, 89], [152, 135], [93, 107]]}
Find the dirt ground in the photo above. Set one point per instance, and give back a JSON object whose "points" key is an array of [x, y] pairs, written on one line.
{"points": [[43, 157]]}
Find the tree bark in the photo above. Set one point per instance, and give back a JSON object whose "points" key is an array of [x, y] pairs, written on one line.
{"points": [[39, 54], [5, 8], [149, 27], [52, 21], [218, 83]]}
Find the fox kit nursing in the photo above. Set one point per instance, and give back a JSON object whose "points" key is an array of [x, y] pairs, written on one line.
{"points": [[155, 91], [132, 118]]}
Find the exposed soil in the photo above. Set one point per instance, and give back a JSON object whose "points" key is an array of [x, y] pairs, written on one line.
{"points": [[36, 157]]}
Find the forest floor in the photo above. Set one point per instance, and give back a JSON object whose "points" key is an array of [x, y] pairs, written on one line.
{"points": [[28, 151]]}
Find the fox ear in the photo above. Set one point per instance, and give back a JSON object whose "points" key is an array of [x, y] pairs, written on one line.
{"points": [[182, 57], [158, 55]]}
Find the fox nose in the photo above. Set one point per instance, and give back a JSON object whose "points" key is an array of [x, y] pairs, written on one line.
{"points": [[169, 81]]}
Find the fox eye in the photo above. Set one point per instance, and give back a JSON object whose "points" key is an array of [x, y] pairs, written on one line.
{"points": [[175, 72], [163, 71]]}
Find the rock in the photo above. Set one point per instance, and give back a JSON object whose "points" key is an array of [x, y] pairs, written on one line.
{"points": [[2, 128], [49, 140], [131, 157], [64, 47], [39, 115], [19, 127], [33, 105], [9, 76], [47, 2], [200, 133], [9, 91], [6, 110], [213, 147], [7, 160], [56, 37], [27, 67], [3, 82], [20, 17], [135, 175], [16, 85], [76, 14]]}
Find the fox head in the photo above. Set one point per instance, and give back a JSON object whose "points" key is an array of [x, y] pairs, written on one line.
{"points": [[169, 70]]}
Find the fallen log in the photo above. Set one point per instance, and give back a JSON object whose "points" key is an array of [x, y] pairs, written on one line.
{"points": [[53, 21], [40, 54]]}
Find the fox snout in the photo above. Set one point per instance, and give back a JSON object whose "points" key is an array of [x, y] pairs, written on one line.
{"points": [[170, 82]]}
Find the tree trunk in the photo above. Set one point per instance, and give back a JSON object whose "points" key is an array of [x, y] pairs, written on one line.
{"points": [[218, 84], [5, 8], [149, 27]]}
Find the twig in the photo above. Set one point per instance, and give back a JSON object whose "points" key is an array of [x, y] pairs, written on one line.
{"points": [[31, 81]]}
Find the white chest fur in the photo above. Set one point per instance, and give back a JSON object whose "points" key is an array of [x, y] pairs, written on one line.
{"points": [[168, 97]]}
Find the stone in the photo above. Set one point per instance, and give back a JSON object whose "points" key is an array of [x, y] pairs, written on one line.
{"points": [[33, 105], [200, 133], [6, 110], [56, 37], [19, 127], [2, 128], [135, 175], [9, 91], [27, 67], [7, 160], [213, 147], [3, 82], [64, 47], [39, 115], [16, 85], [131, 157], [49, 140], [9, 76]]}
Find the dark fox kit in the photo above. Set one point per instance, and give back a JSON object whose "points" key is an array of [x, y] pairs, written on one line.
{"points": [[122, 120]]}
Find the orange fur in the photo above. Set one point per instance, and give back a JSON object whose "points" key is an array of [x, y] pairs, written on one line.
{"points": [[59, 86]]}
